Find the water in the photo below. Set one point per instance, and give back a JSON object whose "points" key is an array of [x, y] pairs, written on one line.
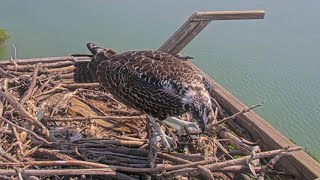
{"points": [[275, 60]]}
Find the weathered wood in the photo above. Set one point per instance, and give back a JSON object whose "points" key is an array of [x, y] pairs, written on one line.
{"points": [[300, 163], [43, 60], [228, 15], [198, 21], [56, 172]]}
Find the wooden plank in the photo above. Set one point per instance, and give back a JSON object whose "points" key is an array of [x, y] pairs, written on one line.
{"points": [[178, 36], [185, 34], [228, 15], [186, 39], [42, 60], [299, 163]]}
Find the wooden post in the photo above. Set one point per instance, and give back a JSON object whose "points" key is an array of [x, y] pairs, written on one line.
{"points": [[198, 21]]}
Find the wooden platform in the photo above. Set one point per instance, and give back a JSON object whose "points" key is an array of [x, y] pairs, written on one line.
{"points": [[299, 163]]}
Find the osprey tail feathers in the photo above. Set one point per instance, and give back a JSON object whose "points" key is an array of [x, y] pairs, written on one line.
{"points": [[85, 72]]}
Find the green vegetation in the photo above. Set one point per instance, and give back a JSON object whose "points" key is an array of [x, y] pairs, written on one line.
{"points": [[3, 36], [313, 155]]}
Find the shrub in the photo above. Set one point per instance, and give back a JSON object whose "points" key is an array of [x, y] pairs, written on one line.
{"points": [[3, 36]]}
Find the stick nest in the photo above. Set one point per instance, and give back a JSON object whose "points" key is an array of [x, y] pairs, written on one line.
{"points": [[53, 128]]}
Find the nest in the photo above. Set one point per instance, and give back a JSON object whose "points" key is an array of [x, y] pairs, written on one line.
{"points": [[53, 128]]}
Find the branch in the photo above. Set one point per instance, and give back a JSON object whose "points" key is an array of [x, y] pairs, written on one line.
{"points": [[28, 94], [57, 172], [237, 114], [26, 130], [24, 113]]}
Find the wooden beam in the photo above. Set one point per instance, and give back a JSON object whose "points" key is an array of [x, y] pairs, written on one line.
{"points": [[299, 163], [42, 60], [198, 21], [228, 15]]}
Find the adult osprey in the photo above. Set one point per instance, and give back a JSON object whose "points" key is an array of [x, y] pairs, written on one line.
{"points": [[157, 83]]}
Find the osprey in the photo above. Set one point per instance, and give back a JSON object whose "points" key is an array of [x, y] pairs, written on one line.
{"points": [[160, 84]]}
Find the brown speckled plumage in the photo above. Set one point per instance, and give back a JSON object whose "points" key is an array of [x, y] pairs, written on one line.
{"points": [[157, 83]]}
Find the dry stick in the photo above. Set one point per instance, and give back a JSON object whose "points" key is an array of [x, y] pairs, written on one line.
{"points": [[18, 171], [81, 85], [53, 90], [103, 142], [237, 114], [56, 163], [6, 131], [223, 149], [239, 143], [57, 172], [103, 113], [209, 166], [45, 84], [5, 177], [16, 134], [122, 176], [29, 67], [67, 69], [54, 154], [130, 138], [95, 117], [7, 156], [102, 93], [62, 103], [193, 172], [23, 112], [4, 74], [29, 92], [201, 169], [219, 167], [26, 130], [269, 166], [45, 60]]}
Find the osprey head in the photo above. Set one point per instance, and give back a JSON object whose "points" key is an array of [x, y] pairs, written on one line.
{"points": [[200, 107]]}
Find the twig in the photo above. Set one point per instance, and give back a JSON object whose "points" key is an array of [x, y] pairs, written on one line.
{"points": [[24, 112], [16, 134], [214, 166], [95, 117], [62, 103], [7, 156], [54, 90], [53, 154], [269, 166], [15, 51], [56, 163], [153, 151], [26, 130], [201, 169], [239, 143], [55, 172], [29, 92], [81, 85], [237, 114], [130, 138], [194, 172]]}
